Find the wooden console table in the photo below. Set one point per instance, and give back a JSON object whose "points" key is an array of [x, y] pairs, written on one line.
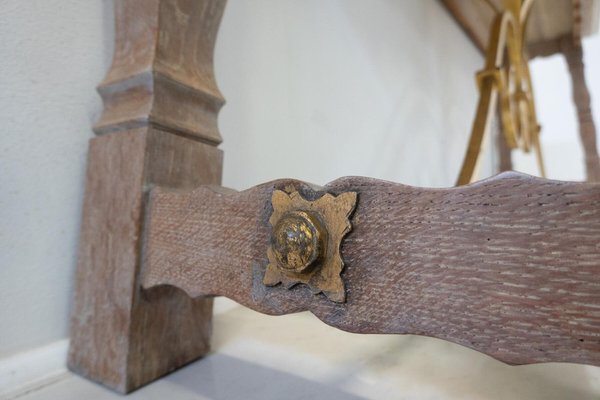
{"points": [[507, 266]]}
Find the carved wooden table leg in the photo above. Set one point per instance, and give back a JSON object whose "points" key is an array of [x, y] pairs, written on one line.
{"points": [[158, 128]]}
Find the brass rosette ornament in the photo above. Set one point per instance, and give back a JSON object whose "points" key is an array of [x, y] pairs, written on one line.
{"points": [[305, 242]]}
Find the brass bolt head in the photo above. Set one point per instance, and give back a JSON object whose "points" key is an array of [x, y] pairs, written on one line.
{"points": [[297, 241]]}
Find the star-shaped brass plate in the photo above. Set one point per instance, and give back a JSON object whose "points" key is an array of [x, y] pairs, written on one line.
{"points": [[306, 239]]}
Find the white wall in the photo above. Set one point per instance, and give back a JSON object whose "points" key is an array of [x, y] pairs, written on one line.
{"points": [[52, 55], [315, 90]]}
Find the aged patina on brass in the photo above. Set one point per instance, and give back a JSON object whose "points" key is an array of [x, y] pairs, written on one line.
{"points": [[306, 239], [298, 241], [505, 78]]}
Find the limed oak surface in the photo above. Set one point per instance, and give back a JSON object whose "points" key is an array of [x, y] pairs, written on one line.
{"points": [[158, 127], [507, 266]]}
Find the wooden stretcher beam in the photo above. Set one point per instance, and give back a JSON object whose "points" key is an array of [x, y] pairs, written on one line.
{"points": [[507, 266]]}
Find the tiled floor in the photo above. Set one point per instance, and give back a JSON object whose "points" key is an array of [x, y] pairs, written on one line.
{"points": [[298, 357]]}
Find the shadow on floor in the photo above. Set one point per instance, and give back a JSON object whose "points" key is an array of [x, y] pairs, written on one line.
{"points": [[221, 377]]}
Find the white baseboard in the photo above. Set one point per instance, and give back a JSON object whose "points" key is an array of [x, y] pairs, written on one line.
{"points": [[27, 371]]}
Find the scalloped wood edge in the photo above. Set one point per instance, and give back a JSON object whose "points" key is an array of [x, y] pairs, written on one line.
{"points": [[507, 266]]}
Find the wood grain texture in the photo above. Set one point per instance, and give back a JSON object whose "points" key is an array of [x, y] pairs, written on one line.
{"points": [[162, 71], [549, 20], [121, 336], [507, 266], [158, 128]]}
